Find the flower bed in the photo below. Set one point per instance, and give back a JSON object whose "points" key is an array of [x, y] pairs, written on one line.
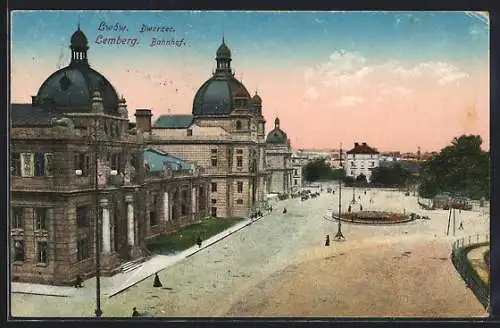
{"points": [[375, 217]]}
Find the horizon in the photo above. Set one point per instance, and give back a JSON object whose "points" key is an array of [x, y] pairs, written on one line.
{"points": [[396, 80]]}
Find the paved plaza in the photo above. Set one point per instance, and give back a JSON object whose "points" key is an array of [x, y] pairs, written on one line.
{"points": [[278, 266]]}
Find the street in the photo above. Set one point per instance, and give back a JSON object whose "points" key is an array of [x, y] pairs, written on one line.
{"points": [[279, 266]]}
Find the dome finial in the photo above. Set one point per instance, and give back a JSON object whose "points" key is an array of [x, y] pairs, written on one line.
{"points": [[277, 123]]}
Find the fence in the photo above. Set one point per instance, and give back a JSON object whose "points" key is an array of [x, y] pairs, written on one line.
{"points": [[460, 248]]}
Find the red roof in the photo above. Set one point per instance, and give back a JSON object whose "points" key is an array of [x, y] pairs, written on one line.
{"points": [[362, 148]]}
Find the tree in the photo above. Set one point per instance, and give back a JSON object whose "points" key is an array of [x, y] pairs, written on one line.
{"points": [[395, 176], [361, 178], [319, 170], [460, 168]]}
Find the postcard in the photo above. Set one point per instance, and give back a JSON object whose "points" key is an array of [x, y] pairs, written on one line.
{"points": [[249, 164]]}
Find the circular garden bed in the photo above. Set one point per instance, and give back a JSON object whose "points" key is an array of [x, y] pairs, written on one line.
{"points": [[376, 217]]}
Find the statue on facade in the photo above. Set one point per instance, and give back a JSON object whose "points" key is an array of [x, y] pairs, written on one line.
{"points": [[128, 174], [103, 172]]}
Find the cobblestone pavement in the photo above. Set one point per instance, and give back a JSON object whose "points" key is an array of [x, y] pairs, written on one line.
{"points": [[219, 279]]}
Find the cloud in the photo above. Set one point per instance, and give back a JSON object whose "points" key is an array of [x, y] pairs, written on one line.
{"points": [[349, 101], [345, 71], [311, 93], [398, 90]]}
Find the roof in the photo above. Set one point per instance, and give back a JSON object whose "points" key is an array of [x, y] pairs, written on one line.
{"points": [[156, 159], [29, 115], [173, 122], [362, 149], [216, 96]]}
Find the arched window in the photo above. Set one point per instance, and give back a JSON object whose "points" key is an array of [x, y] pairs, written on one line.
{"points": [[238, 125]]}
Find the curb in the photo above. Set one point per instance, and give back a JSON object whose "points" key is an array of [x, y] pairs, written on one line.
{"points": [[187, 256]]}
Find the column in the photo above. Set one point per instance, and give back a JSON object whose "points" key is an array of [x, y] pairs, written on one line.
{"points": [[106, 237], [166, 207], [130, 220], [193, 200]]}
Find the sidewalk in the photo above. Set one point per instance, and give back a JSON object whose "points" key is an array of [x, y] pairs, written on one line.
{"points": [[111, 286]]}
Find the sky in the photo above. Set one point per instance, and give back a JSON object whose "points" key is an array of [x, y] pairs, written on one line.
{"points": [[396, 80]]}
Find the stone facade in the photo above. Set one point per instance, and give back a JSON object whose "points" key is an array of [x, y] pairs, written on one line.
{"points": [[77, 162], [299, 161]]}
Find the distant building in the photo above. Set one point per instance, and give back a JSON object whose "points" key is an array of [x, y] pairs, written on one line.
{"points": [[361, 159], [278, 159], [298, 163]]}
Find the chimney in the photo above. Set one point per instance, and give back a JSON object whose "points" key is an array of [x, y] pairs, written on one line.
{"points": [[364, 143], [143, 120], [356, 144]]}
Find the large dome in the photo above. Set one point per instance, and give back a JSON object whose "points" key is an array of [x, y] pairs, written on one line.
{"points": [[72, 87], [217, 96], [220, 94], [277, 136]]}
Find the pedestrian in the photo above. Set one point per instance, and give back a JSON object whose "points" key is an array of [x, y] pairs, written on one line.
{"points": [[461, 226], [271, 208], [365, 192], [349, 209], [360, 207], [359, 197], [78, 281], [157, 282], [198, 241], [327, 242], [135, 313], [284, 210]]}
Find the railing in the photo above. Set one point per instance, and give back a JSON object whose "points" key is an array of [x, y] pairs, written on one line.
{"points": [[460, 249]]}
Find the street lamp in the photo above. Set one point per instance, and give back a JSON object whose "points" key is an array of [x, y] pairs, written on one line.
{"points": [[98, 311], [339, 236]]}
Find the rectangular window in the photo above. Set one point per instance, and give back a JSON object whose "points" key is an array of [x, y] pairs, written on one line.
{"points": [[239, 161], [15, 164], [189, 132], [213, 212], [19, 250], [82, 216], [214, 201], [214, 187], [213, 161], [82, 249], [81, 161], [352, 172], [373, 164], [213, 151], [16, 217], [184, 202], [39, 164], [40, 216], [153, 219], [240, 187], [295, 182], [27, 166], [48, 160], [239, 151], [42, 252], [239, 201], [295, 172]]}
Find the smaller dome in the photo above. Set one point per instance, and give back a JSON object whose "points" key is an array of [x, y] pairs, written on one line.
{"points": [[78, 39], [223, 51], [256, 99], [277, 136]]}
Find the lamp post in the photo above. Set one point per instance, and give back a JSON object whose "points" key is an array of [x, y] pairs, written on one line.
{"points": [[339, 236], [98, 311]]}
